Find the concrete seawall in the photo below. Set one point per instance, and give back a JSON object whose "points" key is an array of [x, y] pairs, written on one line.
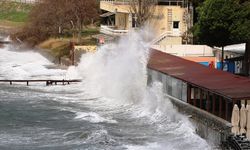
{"points": [[214, 129], [208, 126]]}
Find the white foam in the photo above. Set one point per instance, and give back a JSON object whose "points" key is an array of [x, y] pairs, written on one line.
{"points": [[118, 72], [93, 117], [72, 73], [149, 146], [26, 65], [177, 145]]}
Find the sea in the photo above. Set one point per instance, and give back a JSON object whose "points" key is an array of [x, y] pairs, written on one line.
{"points": [[113, 108]]}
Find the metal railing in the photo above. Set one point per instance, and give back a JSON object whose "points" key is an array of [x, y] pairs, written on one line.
{"points": [[182, 3], [108, 30], [161, 37], [118, 2]]}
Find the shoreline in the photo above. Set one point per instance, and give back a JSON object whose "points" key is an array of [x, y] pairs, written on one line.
{"points": [[43, 52]]}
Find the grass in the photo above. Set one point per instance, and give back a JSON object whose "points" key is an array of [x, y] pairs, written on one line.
{"points": [[86, 34], [90, 31], [56, 47], [59, 47], [13, 14]]}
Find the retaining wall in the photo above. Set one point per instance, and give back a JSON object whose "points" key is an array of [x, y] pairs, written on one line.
{"points": [[210, 127]]}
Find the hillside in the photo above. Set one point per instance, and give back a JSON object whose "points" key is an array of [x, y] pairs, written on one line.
{"points": [[13, 14]]}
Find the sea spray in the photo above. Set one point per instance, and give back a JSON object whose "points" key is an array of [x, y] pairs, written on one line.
{"points": [[67, 117], [117, 71], [25, 64]]}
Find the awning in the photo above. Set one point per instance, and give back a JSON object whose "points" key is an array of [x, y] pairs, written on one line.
{"points": [[107, 14]]}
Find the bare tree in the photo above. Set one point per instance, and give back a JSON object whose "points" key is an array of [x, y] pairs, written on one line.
{"points": [[81, 12], [142, 10], [51, 18]]}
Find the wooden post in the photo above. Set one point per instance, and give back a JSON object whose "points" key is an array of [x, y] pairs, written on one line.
{"points": [[27, 83], [189, 94], [207, 101], [226, 103], [201, 97], [222, 58], [195, 98], [214, 103], [220, 110]]}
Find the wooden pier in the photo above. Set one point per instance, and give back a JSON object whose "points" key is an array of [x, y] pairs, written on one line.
{"points": [[47, 82], [5, 42]]}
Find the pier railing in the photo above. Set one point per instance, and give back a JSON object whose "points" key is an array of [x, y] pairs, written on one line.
{"points": [[47, 82]]}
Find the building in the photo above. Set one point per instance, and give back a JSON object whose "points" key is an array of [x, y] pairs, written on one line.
{"points": [[186, 50], [201, 54], [170, 22], [233, 56], [211, 90]]}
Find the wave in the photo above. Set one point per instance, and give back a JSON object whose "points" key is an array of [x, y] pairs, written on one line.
{"points": [[93, 117]]}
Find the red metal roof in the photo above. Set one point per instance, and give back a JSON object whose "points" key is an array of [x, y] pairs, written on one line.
{"points": [[216, 81], [200, 59]]}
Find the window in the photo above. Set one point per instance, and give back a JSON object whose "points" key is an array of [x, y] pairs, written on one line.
{"points": [[176, 25]]}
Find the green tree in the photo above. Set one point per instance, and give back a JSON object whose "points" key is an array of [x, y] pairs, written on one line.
{"points": [[214, 22], [240, 31], [223, 22]]}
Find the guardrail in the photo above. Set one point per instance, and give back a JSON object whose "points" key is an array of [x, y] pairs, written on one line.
{"points": [[48, 82], [119, 2], [182, 3], [108, 30], [161, 37]]}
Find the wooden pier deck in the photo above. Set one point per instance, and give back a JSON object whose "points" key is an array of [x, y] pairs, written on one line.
{"points": [[5, 42], [47, 82]]}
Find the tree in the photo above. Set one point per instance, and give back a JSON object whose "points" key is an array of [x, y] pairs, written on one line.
{"points": [[53, 18], [196, 4], [223, 22], [240, 31], [81, 13], [143, 10], [214, 22]]}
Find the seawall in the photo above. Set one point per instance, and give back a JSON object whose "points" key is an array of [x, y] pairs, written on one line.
{"points": [[213, 129], [210, 127]]}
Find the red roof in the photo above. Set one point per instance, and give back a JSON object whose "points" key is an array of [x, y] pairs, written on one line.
{"points": [[200, 59], [216, 81]]}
